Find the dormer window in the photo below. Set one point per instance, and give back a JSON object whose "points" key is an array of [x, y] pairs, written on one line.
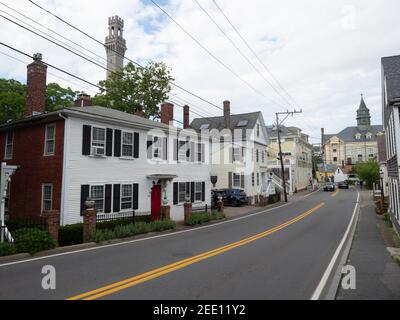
{"points": [[369, 136], [358, 136], [205, 126]]}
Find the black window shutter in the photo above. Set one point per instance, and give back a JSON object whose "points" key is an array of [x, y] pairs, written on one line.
{"points": [[108, 194], [117, 198], [109, 141], [176, 189], [86, 140], [84, 195], [135, 196], [176, 148], [136, 145], [242, 181], [203, 191], [117, 143], [150, 147], [230, 176], [165, 148], [192, 192]]}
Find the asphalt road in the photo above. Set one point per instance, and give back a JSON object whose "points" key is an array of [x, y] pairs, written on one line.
{"points": [[279, 254]]}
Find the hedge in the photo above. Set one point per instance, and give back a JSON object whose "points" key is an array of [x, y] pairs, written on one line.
{"points": [[130, 230], [71, 235], [33, 241], [7, 249], [200, 218]]}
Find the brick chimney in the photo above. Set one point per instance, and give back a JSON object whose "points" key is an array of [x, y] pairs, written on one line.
{"points": [[83, 100], [139, 114], [227, 114], [167, 113], [35, 102], [186, 117]]}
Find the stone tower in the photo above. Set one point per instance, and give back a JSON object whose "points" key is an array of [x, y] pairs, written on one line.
{"points": [[115, 44], [363, 116]]}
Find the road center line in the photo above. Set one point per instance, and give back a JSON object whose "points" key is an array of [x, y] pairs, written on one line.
{"points": [[336, 193], [121, 285]]}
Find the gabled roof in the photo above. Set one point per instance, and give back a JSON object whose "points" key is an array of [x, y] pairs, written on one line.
{"points": [[285, 131], [348, 134], [100, 113], [219, 122], [391, 71]]}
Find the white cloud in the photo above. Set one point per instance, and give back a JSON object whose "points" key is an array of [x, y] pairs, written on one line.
{"points": [[325, 53]]}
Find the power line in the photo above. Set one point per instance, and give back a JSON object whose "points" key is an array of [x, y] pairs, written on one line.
{"points": [[119, 54], [253, 51], [51, 66], [213, 56], [241, 53]]}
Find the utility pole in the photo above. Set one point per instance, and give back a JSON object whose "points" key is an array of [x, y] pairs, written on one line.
{"points": [[278, 124]]}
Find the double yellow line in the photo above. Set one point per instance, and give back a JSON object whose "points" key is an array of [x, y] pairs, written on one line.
{"points": [[335, 193], [121, 285]]}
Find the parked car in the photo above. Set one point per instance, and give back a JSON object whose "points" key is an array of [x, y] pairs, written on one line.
{"points": [[330, 186], [230, 197], [343, 185]]}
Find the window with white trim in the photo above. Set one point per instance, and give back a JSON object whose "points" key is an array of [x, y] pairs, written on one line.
{"points": [[199, 153], [126, 197], [184, 152], [127, 144], [98, 141], [97, 195], [50, 140], [9, 145], [182, 192], [235, 154], [198, 191], [47, 197], [236, 180]]}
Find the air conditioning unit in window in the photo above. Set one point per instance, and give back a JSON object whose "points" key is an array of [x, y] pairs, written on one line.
{"points": [[98, 152]]}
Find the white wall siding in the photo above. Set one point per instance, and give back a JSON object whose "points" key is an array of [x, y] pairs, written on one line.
{"points": [[86, 170]]}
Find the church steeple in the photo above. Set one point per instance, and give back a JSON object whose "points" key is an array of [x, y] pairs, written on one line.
{"points": [[363, 116]]}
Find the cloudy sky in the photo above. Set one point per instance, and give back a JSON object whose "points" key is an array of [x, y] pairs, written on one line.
{"points": [[323, 53]]}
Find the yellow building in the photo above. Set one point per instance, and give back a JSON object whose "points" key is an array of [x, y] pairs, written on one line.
{"points": [[297, 154], [353, 144]]}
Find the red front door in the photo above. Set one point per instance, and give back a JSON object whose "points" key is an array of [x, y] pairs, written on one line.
{"points": [[156, 203]]}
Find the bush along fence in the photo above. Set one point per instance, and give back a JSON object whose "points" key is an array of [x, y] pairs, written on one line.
{"points": [[199, 215]]}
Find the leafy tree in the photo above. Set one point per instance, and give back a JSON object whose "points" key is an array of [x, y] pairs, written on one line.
{"points": [[12, 100], [368, 172], [136, 89], [58, 97]]}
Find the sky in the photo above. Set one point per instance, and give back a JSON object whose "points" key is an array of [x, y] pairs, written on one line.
{"points": [[323, 53]]}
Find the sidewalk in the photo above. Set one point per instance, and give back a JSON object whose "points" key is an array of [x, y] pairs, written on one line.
{"points": [[377, 275]]}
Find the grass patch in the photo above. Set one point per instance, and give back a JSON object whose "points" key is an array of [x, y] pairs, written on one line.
{"points": [[200, 218], [130, 230]]}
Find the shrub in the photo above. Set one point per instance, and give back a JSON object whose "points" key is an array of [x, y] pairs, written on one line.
{"points": [[7, 249], [71, 235], [125, 231], [33, 241], [111, 225], [200, 218]]}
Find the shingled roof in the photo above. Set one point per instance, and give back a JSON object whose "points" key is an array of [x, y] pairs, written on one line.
{"points": [[349, 134], [391, 71], [219, 122]]}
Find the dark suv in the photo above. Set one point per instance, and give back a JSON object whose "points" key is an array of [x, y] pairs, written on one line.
{"points": [[230, 197]]}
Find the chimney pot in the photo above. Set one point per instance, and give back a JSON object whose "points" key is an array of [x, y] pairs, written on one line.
{"points": [[227, 114], [83, 100], [35, 102], [167, 113], [186, 117]]}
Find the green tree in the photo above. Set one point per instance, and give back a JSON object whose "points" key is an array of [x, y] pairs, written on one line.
{"points": [[368, 172], [12, 100], [136, 89], [58, 97]]}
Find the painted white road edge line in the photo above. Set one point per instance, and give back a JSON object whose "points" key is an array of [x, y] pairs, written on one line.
{"points": [[322, 284], [141, 240]]}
